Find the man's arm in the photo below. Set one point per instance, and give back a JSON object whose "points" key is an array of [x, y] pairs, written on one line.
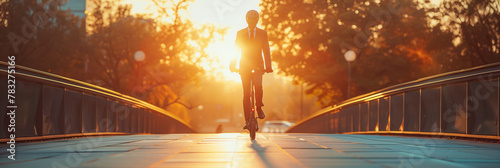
{"points": [[233, 61], [267, 54], [238, 42]]}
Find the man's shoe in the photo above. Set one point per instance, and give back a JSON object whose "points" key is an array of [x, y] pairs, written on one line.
{"points": [[261, 113], [245, 126]]}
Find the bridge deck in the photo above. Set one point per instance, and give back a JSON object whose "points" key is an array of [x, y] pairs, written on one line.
{"points": [[269, 150]]}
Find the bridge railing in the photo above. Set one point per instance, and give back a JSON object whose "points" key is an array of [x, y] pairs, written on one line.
{"points": [[459, 103], [51, 106]]}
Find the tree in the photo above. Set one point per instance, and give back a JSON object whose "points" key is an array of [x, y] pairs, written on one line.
{"points": [[114, 38], [174, 49], [475, 29], [56, 41], [392, 39], [42, 37]]}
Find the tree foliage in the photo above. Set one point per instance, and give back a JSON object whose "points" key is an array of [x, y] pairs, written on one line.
{"points": [[100, 48], [173, 48], [475, 26], [395, 42], [42, 37]]}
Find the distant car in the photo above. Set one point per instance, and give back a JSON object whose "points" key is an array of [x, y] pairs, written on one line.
{"points": [[276, 126]]}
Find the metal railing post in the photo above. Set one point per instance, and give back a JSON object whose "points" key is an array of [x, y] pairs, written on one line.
{"points": [[389, 117], [402, 127], [466, 107], [441, 109], [420, 111]]}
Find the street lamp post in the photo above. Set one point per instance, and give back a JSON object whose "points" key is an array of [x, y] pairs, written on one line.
{"points": [[139, 57], [349, 57]]}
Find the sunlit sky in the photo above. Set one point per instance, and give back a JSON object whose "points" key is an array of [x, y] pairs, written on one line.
{"points": [[224, 13]]}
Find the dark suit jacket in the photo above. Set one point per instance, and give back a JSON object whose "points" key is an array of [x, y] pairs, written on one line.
{"points": [[251, 50]]}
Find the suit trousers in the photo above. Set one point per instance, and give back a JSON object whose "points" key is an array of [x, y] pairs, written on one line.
{"points": [[246, 78]]}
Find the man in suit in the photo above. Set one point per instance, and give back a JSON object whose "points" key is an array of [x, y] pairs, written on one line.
{"points": [[253, 42]]}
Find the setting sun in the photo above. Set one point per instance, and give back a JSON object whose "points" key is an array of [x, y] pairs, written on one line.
{"points": [[220, 13]]}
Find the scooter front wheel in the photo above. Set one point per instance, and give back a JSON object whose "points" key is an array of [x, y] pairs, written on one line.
{"points": [[253, 128]]}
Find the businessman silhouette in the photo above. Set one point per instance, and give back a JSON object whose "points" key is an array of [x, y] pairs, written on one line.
{"points": [[253, 42]]}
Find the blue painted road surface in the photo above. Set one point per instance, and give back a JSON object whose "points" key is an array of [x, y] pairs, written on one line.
{"points": [[269, 150]]}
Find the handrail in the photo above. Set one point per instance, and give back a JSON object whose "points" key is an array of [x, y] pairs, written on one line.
{"points": [[426, 82], [48, 79], [90, 87]]}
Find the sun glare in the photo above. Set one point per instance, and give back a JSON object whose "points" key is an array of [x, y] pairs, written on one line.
{"points": [[217, 12]]}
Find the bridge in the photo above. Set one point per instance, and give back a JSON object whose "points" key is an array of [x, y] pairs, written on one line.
{"points": [[446, 120]]}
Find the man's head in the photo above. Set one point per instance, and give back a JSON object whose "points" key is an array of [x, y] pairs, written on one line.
{"points": [[252, 18]]}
